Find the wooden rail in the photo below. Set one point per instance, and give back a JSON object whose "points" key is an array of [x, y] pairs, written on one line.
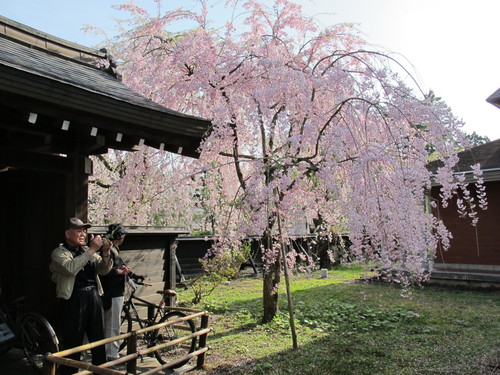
{"points": [[54, 359]]}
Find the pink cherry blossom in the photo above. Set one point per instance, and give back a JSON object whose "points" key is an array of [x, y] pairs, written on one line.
{"points": [[310, 125]]}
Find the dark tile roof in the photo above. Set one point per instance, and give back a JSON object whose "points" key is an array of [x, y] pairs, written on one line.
{"points": [[72, 73], [487, 155]]}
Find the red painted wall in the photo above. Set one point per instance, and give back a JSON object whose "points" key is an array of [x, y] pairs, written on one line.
{"points": [[472, 245]]}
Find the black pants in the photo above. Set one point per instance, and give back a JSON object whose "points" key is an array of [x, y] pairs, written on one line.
{"points": [[82, 314]]}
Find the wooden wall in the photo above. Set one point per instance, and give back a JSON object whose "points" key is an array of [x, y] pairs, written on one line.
{"points": [[32, 218], [149, 255], [31, 222], [473, 245]]}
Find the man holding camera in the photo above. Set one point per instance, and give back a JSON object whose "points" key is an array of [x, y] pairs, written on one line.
{"points": [[75, 267]]}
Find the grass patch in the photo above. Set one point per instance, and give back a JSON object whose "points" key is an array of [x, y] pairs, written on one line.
{"points": [[347, 327]]}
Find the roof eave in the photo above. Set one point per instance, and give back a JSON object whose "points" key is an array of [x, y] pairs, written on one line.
{"points": [[144, 122], [494, 99]]}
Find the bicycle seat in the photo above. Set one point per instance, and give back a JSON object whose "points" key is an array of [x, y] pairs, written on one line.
{"points": [[167, 292], [19, 300]]}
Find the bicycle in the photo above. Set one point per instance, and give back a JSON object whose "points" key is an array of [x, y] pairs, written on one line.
{"points": [[158, 313], [29, 331]]}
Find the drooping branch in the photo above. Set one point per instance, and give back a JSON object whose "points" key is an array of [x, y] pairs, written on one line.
{"points": [[100, 184], [105, 162]]}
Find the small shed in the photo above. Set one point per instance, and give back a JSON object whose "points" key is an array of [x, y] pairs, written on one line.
{"points": [[150, 251], [57, 107], [474, 254]]}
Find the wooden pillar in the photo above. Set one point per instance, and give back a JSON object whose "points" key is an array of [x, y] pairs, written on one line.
{"points": [[77, 187], [170, 281]]}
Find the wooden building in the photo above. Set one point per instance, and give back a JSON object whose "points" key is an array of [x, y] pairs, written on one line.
{"points": [[56, 109], [474, 254]]}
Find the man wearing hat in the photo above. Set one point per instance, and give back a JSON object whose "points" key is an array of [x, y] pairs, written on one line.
{"points": [[114, 288], [75, 268]]}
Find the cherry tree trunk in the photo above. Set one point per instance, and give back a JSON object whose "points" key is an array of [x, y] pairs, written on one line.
{"points": [[270, 292], [271, 280]]}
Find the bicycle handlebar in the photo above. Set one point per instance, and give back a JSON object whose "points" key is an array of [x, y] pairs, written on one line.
{"points": [[134, 281]]}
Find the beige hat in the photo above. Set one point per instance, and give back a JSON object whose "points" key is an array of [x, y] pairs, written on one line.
{"points": [[75, 222]]}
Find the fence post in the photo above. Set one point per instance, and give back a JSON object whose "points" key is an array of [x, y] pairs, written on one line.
{"points": [[200, 361], [49, 368], [132, 349]]}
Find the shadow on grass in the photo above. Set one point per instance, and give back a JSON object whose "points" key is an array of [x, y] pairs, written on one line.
{"points": [[234, 331], [451, 332], [359, 355]]}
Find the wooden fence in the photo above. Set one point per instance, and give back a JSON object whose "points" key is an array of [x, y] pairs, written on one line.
{"points": [[133, 352]]}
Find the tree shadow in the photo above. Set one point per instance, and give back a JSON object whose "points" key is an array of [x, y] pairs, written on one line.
{"points": [[419, 347]]}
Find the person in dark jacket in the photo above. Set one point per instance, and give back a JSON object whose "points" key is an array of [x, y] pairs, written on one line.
{"points": [[114, 289]]}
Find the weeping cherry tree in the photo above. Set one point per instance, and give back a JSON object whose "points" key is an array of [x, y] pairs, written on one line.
{"points": [[310, 124]]}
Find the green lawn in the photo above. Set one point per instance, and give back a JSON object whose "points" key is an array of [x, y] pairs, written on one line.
{"points": [[357, 328]]}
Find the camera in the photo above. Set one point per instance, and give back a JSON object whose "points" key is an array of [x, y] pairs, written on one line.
{"points": [[115, 232], [136, 277], [105, 238]]}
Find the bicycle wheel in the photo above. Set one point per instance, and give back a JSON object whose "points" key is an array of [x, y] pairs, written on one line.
{"points": [[129, 324], [126, 326], [37, 338], [172, 332]]}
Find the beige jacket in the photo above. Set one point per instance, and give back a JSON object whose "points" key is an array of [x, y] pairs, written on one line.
{"points": [[64, 269]]}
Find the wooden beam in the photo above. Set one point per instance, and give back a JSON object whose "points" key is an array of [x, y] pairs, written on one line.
{"points": [[14, 158], [15, 110]]}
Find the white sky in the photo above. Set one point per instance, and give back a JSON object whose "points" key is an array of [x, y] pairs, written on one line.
{"points": [[452, 44]]}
